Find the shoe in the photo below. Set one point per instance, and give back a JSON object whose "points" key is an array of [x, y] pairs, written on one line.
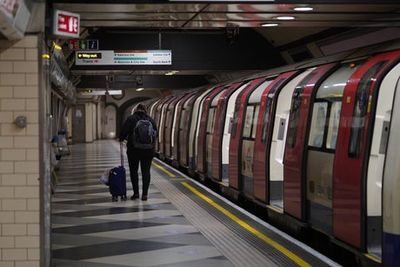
{"points": [[123, 198], [144, 197], [114, 199], [135, 196]]}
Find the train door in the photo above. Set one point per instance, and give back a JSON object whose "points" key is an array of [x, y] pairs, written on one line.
{"points": [[184, 130], [321, 147], [194, 126], [377, 159], [248, 136], [264, 135], [278, 140], [236, 133], [227, 133], [156, 116], [215, 165], [169, 125], [350, 214], [204, 127], [294, 157], [212, 120], [164, 125], [391, 188], [161, 117], [176, 129], [153, 108]]}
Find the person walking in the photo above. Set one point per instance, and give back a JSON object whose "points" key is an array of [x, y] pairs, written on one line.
{"points": [[140, 131]]}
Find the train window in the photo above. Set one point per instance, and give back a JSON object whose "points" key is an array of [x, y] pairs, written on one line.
{"points": [[318, 124], [248, 122], [183, 118], [295, 110], [266, 119], [360, 110], [268, 109], [254, 126], [294, 116], [235, 117], [210, 121], [333, 124]]}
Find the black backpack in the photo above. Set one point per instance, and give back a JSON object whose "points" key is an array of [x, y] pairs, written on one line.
{"points": [[144, 134]]}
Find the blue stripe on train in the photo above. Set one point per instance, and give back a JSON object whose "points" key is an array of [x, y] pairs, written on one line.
{"points": [[391, 250]]}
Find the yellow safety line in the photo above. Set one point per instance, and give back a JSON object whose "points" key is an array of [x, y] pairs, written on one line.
{"points": [[170, 174], [249, 228]]}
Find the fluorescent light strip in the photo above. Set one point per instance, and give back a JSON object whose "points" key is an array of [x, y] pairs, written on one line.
{"points": [[269, 24], [303, 8], [285, 18]]}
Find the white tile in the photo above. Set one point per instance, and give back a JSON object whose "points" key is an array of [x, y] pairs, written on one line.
{"points": [[15, 254], [27, 241], [31, 54], [12, 104], [12, 79], [6, 92], [14, 229], [13, 54]]}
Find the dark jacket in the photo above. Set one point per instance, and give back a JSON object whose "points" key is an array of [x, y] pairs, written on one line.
{"points": [[129, 125]]}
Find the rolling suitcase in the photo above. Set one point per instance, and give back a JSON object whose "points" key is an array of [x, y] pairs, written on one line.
{"points": [[117, 180]]}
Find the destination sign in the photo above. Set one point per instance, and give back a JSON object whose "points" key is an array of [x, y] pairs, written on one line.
{"points": [[124, 57]]}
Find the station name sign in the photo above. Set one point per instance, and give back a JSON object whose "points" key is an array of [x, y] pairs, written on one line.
{"points": [[124, 57], [66, 24]]}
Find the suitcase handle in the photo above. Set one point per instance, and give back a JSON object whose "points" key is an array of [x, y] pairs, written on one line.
{"points": [[122, 154]]}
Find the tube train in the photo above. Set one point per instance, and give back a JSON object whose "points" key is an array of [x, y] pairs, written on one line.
{"points": [[316, 143]]}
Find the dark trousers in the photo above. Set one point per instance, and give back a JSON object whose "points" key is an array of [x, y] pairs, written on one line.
{"points": [[144, 157]]}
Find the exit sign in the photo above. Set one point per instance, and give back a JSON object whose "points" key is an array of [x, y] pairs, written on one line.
{"points": [[66, 24]]}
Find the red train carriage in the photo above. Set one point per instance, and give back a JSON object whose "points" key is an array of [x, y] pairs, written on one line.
{"points": [[354, 146]]}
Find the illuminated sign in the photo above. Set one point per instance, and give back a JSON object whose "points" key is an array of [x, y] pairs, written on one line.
{"points": [[66, 24], [124, 57], [89, 55]]}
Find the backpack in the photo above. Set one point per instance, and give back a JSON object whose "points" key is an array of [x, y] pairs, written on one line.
{"points": [[144, 134]]}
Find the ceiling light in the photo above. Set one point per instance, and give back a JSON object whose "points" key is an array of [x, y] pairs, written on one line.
{"points": [[303, 8], [285, 18], [269, 24], [139, 89]]}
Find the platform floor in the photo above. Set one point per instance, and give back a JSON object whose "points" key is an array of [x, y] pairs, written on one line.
{"points": [[181, 224]]}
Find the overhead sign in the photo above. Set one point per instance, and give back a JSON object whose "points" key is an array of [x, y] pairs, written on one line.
{"points": [[66, 24], [124, 57]]}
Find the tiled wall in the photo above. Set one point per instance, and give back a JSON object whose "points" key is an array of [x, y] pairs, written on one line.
{"points": [[19, 155]]}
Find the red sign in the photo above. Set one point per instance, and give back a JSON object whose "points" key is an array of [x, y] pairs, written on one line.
{"points": [[66, 24]]}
